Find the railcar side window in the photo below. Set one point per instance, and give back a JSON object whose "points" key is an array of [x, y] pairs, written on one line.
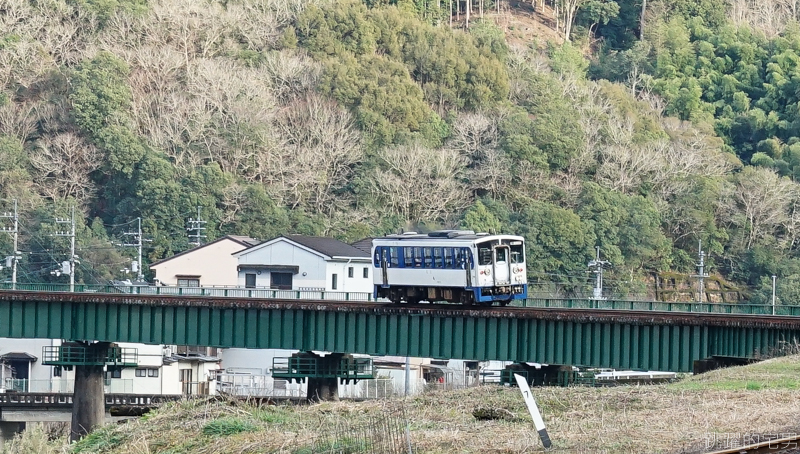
{"points": [[394, 255], [417, 257], [428, 257], [408, 256], [438, 257], [485, 254], [448, 257]]}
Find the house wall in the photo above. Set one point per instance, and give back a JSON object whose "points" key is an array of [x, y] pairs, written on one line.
{"points": [[314, 271], [40, 376], [284, 253], [150, 357], [357, 283], [213, 263]]}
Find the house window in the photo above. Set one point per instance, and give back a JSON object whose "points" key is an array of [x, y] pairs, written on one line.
{"points": [[56, 371], [350, 271], [366, 272], [281, 281], [114, 373], [141, 372], [188, 282], [334, 278], [250, 280], [152, 372]]}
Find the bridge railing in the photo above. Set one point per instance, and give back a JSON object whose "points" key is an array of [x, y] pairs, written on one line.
{"points": [[316, 294], [236, 292], [662, 306]]}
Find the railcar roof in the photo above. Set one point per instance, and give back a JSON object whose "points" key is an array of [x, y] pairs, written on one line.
{"points": [[445, 235]]}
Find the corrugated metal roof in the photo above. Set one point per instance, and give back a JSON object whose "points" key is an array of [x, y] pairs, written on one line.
{"points": [[328, 246]]}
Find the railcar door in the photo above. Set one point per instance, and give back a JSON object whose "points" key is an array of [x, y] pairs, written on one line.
{"points": [[502, 265], [385, 266]]}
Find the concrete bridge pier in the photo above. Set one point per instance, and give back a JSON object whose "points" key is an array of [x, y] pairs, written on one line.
{"points": [[8, 430], [88, 400], [320, 389], [325, 387]]}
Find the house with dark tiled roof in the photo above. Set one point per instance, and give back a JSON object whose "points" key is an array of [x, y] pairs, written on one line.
{"points": [[211, 264], [299, 262]]}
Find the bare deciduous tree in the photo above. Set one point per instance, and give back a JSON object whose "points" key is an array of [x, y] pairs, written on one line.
{"points": [[291, 74], [764, 199], [419, 183], [320, 147], [17, 120], [63, 164]]}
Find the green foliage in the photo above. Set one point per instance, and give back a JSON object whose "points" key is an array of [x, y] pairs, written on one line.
{"points": [[105, 9], [123, 148], [100, 440], [389, 67], [567, 59], [557, 240], [100, 92], [554, 131], [223, 427], [479, 219]]}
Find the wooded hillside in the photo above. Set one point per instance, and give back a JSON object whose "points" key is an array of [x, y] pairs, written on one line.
{"points": [[651, 127]]}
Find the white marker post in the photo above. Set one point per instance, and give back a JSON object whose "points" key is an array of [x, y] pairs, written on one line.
{"points": [[533, 409]]}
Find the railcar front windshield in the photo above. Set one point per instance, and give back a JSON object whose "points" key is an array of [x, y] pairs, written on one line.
{"points": [[485, 253], [517, 250]]}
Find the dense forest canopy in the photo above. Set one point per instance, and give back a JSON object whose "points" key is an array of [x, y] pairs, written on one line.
{"points": [[644, 127]]}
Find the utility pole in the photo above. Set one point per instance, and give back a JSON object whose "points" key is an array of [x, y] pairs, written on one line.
{"points": [[71, 235], [14, 257], [597, 265], [196, 225], [138, 244], [700, 268]]}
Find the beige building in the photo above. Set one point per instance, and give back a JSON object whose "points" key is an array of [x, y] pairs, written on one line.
{"points": [[211, 264]]}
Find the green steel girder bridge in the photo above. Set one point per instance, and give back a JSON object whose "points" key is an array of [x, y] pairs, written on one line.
{"points": [[621, 339]]}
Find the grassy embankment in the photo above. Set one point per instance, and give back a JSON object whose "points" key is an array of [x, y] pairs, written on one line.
{"points": [[759, 398]]}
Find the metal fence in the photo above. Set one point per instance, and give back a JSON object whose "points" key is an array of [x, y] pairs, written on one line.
{"points": [[386, 432], [111, 386]]}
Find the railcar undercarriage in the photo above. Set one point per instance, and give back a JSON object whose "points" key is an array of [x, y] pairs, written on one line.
{"points": [[414, 295]]}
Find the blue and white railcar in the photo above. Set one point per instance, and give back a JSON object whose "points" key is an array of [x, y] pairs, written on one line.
{"points": [[450, 265]]}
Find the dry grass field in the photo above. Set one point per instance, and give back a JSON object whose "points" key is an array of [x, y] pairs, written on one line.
{"points": [[683, 417]]}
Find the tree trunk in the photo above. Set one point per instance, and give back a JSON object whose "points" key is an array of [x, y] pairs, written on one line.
{"points": [[641, 20], [469, 10]]}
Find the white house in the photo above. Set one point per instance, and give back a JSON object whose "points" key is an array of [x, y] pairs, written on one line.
{"points": [[211, 264], [298, 262], [160, 370]]}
